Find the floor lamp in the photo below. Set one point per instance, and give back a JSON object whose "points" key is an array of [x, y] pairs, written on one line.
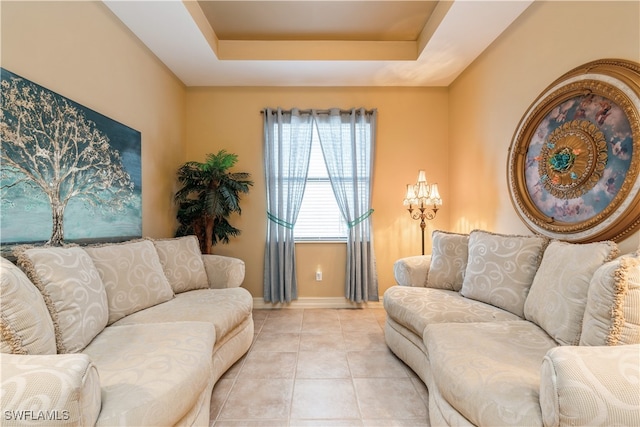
{"points": [[422, 201]]}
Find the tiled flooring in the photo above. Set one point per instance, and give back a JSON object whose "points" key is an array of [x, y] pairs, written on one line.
{"points": [[319, 367]]}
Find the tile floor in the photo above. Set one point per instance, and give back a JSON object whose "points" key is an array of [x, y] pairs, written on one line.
{"points": [[319, 367]]}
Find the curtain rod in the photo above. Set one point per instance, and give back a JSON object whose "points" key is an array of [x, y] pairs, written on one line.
{"points": [[324, 111]]}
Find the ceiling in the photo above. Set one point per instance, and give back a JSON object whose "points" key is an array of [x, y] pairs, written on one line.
{"points": [[317, 43]]}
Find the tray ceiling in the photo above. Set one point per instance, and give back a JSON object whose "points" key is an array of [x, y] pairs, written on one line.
{"points": [[317, 43]]}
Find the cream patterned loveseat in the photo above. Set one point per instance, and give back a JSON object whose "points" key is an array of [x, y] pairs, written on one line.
{"points": [[518, 330], [135, 333]]}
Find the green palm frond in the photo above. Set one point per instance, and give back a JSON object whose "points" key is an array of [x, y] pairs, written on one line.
{"points": [[223, 231], [222, 160], [209, 191]]}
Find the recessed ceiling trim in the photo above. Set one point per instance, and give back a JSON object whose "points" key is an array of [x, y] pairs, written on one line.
{"points": [[179, 36], [202, 23], [434, 21], [346, 20], [317, 50]]}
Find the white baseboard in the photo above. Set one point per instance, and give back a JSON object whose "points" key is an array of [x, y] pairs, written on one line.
{"points": [[319, 302]]}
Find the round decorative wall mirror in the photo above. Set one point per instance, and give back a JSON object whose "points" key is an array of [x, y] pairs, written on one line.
{"points": [[574, 160]]}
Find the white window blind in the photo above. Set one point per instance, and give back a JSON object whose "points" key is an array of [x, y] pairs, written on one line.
{"points": [[319, 218]]}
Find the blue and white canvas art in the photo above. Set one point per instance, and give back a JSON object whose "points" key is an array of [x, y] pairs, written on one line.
{"points": [[67, 173]]}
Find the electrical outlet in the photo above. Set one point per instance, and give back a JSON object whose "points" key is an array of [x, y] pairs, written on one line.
{"points": [[318, 276]]}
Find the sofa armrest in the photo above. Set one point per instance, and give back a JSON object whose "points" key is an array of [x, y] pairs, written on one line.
{"points": [[223, 271], [591, 385], [57, 389], [412, 271]]}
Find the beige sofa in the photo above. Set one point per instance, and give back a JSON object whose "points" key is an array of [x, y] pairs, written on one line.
{"points": [[135, 333], [518, 330]]}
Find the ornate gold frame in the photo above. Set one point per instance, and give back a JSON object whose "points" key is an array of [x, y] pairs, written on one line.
{"points": [[574, 160]]}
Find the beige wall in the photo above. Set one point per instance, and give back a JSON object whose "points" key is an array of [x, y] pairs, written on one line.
{"points": [[488, 100], [82, 51], [460, 134], [412, 134]]}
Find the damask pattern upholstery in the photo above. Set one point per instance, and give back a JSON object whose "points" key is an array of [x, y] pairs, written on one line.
{"points": [[501, 268], [577, 385], [157, 374], [612, 314], [441, 413], [25, 323], [449, 256], [223, 271], [182, 263], [231, 347], [415, 308], [484, 370], [408, 347], [489, 371], [64, 388], [558, 295], [73, 291], [412, 271], [132, 276], [146, 368], [224, 308]]}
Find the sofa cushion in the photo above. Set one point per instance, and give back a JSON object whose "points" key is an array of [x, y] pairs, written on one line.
{"points": [[152, 374], [489, 372], [415, 308], [612, 314], [25, 324], [448, 260], [224, 308], [182, 263], [132, 276], [501, 268], [72, 290], [558, 295]]}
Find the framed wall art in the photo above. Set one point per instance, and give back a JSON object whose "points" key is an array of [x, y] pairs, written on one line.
{"points": [[574, 160], [67, 173]]}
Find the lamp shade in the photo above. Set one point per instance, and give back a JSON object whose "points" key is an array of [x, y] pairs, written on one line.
{"points": [[423, 190], [410, 197], [422, 194], [435, 195], [411, 192]]}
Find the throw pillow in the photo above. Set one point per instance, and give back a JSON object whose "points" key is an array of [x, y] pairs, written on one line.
{"points": [[182, 263], [448, 260], [132, 276], [612, 314], [72, 290], [501, 268], [25, 324], [558, 295]]}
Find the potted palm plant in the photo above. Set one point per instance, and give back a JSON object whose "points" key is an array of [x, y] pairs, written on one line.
{"points": [[209, 194]]}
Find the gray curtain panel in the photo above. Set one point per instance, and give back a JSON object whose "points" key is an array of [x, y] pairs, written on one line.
{"points": [[287, 148], [347, 139]]}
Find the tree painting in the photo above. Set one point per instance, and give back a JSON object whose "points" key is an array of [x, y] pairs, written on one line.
{"points": [[57, 156]]}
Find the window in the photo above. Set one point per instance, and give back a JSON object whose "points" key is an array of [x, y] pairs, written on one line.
{"points": [[319, 218], [348, 139]]}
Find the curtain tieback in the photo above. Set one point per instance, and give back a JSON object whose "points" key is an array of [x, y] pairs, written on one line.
{"points": [[361, 218], [279, 221]]}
